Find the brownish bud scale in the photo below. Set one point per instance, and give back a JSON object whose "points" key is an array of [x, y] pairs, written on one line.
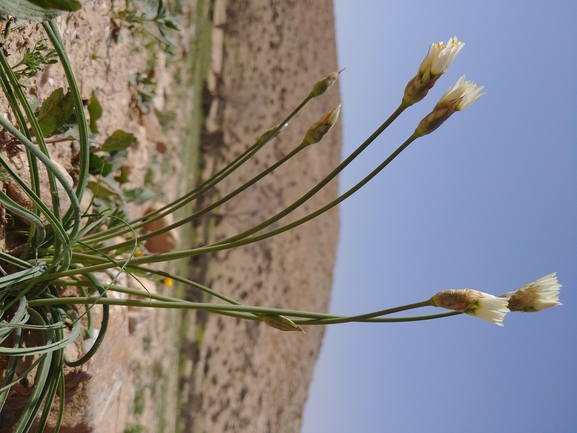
{"points": [[321, 127], [456, 299], [442, 111], [416, 90], [456, 98], [279, 322], [472, 302], [325, 84], [536, 296], [270, 134]]}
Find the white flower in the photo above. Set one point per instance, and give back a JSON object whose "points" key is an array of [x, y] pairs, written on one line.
{"points": [[472, 302], [489, 308], [536, 296], [433, 66], [439, 58], [456, 98], [466, 92]]}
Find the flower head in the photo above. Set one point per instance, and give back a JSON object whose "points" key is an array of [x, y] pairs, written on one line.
{"points": [[440, 58], [321, 127], [433, 66], [536, 296], [456, 98], [466, 92], [469, 301]]}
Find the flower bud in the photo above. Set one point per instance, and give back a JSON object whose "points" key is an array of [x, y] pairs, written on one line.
{"points": [[279, 322], [456, 98], [433, 66], [321, 127], [325, 84], [270, 134], [472, 302], [536, 296]]}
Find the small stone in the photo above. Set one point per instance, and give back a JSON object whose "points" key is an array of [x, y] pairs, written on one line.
{"points": [[163, 242]]}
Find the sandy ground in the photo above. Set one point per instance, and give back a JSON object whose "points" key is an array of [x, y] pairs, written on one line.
{"points": [[226, 375], [251, 377]]}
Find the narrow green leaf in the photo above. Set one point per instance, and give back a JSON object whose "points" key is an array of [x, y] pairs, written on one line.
{"points": [[95, 112], [119, 140], [61, 5], [25, 10], [55, 111]]}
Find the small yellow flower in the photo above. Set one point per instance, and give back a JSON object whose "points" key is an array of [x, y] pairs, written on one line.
{"points": [[472, 302], [536, 296], [168, 282]]}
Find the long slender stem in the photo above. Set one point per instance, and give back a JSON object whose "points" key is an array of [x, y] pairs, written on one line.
{"points": [[362, 317], [34, 239], [219, 247], [35, 129], [52, 31], [206, 209], [205, 186], [322, 183], [29, 192], [317, 318], [233, 165], [224, 246]]}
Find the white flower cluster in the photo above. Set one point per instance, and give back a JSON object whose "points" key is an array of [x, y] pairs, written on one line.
{"points": [[456, 98], [533, 297]]}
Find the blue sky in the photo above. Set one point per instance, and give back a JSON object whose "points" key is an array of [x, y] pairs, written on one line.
{"points": [[488, 201]]}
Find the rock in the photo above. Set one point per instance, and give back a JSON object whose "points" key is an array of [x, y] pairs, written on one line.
{"points": [[152, 126], [164, 242]]}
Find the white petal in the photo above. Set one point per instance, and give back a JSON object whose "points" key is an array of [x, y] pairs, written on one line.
{"points": [[491, 308]]}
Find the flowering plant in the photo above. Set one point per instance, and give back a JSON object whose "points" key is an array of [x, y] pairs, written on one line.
{"points": [[69, 249]]}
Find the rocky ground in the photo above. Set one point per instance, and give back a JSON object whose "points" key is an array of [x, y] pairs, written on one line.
{"points": [[168, 371]]}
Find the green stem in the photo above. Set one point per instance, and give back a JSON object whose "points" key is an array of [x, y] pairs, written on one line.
{"points": [[29, 192], [188, 282], [221, 246], [205, 186], [33, 238], [318, 318], [52, 31], [206, 209], [322, 183], [362, 317], [35, 129]]}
